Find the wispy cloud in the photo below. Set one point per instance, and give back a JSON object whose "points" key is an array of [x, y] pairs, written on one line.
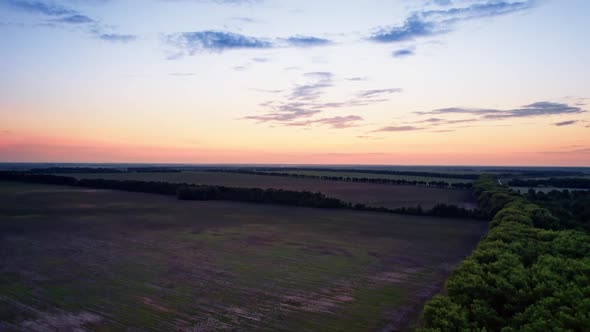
{"points": [[115, 37], [399, 128], [220, 2], [357, 78], [413, 27], [307, 41], [542, 108], [74, 19], [216, 41], [336, 122], [428, 23], [65, 16], [245, 19], [403, 53], [377, 92], [40, 7], [303, 101], [565, 123]]}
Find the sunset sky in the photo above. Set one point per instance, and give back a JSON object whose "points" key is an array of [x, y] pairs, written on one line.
{"points": [[452, 82]]}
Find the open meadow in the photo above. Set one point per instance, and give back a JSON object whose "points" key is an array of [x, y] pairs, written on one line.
{"points": [[375, 195], [104, 260]]}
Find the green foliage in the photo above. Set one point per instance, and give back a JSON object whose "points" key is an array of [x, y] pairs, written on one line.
{"points": [[526, 274], [445, 315]]}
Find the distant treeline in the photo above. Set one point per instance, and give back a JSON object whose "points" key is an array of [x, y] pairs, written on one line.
{"points": [[76, 170], [572, 208], [574, 183], [256, 195], [61, 170], [438, 184], [529, 273], [534, 173], [366, 171]]}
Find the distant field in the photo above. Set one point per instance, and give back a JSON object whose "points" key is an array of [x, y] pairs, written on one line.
{"points": [[390, 196], [375, 176], [543, 189], [113, 261]]}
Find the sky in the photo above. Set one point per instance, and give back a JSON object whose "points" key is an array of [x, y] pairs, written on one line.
{"points": [[407, 82]]}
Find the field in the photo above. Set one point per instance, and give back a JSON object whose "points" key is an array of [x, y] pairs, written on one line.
{"points": [[79, 259], [376, 195], [344, 173]]}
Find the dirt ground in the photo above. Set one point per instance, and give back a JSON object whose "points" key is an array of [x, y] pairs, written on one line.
{"points": [[97, 260]]}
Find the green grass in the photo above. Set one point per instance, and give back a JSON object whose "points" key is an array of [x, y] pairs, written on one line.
{"points": [[155, 263]]}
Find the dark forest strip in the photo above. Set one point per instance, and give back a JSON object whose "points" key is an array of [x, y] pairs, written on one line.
{"points": [[528, 273]]}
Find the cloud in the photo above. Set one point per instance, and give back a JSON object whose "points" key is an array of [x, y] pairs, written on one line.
{"points": [[260, 59], [307, 41], [542, 108], [399, 128], [565, 123], [336, 122], [214, 41], [75, 19], [303, 101], [40, 7], [245, 19], [311, 91], [66, 16], [115, 37], [377, 92], [357, 78], [286, 113], [220, 2], [428, 23], [413, 27], [403, 53], [219, 41]]}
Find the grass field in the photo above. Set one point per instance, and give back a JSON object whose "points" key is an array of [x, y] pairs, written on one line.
{"points": [[376, 195], [375, 176], [102, 260]]}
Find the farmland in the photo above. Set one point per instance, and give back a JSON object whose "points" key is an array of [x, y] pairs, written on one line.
{"points": [[376, 195], [344, 173], [107, 260]]}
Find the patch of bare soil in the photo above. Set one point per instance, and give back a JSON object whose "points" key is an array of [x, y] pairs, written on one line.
{"points": [[61, 321], [323, 301]]}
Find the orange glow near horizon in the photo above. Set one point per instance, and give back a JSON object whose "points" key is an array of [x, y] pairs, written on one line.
{"points": [[444, 150]]}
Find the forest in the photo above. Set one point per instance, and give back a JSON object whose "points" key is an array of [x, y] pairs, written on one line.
{"points": [[531, 272], [572, 183]]}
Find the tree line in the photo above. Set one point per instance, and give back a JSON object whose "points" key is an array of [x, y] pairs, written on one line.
{"points": [[573, 183], [355, 170], [438, 184], [529, 273], [572, 208], [186, 191]]}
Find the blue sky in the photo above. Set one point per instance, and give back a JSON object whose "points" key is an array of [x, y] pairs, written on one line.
{"points": [[292, 80]]}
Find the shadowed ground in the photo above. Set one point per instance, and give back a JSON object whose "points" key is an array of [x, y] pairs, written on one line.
{"points": [[105, 260]]}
